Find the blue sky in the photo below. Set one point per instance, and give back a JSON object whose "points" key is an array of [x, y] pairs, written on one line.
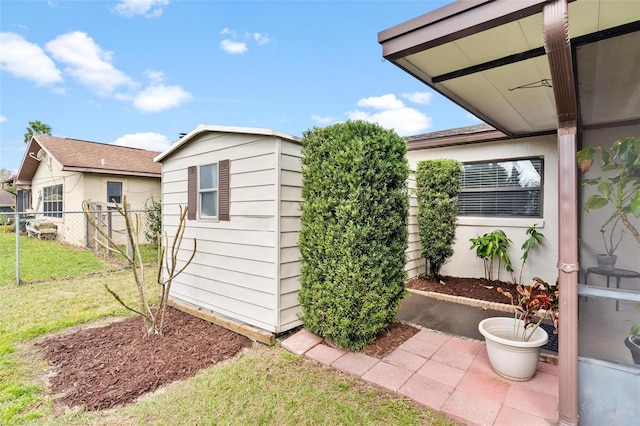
{"points": [[138, 73]]}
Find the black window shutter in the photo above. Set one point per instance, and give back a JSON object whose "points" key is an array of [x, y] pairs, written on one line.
{"points": [[192, 192], [224, 194]]}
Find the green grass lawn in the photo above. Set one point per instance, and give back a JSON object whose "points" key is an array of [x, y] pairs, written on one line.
{"points": [[48, 260], [266, 385]]}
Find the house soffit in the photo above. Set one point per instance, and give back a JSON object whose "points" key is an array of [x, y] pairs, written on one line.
{"points": [[502, 75]]}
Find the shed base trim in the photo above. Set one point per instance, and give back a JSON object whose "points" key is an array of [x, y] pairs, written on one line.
{"points": [[251, 332]]}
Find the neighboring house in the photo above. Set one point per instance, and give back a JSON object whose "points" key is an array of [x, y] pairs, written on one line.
{"points": [[58, 174], [242, 187], [7, 203], [551, 76]]}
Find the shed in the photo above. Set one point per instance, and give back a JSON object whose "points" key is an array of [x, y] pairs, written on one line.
{"points": [[242, 187]]}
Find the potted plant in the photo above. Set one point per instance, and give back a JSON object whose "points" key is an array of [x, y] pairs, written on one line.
{"points": [[607, 261], [633, 341], [513, 344], [619, 182]]}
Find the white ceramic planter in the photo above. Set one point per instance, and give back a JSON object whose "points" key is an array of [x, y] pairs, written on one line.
{"points": [[512, 359]]}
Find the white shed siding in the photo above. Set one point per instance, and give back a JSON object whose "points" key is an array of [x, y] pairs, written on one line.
{"points": [[290, 197], [464, 263], [234, 271], [237, 271]]}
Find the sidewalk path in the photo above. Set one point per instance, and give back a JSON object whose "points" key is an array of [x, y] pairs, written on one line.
{"points": [[448, 374]]}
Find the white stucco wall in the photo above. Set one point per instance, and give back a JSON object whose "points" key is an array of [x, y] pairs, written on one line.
{"points": [[464, 263]]}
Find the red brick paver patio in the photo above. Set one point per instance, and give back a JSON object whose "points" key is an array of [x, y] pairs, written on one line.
{"points": [[448, 374]]}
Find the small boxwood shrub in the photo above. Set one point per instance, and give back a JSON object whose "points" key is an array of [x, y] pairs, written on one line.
{"points": [[437, 189], [353, 233]]}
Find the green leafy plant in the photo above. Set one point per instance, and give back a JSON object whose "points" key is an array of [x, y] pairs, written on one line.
{"points": [[492, 248], [153, 216], [353, 232], [611, 246], [437, 188], [619, 182], [533, 304], [535, 240]]}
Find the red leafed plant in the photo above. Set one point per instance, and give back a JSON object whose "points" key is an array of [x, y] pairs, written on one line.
{"points": [[533, 304]]}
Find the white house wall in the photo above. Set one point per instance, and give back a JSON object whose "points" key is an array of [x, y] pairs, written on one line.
{"points": [[463, 263], [590, 237], [235, 271]]}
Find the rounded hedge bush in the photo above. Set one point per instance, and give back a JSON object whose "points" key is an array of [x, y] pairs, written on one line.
{"points": [[353, 233]]}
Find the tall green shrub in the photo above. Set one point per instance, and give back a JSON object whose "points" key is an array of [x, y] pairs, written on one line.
{"points": [[353, 233], [437, 188]]}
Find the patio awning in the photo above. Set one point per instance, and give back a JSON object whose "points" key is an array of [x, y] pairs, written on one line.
{"points": [[488, 56]]}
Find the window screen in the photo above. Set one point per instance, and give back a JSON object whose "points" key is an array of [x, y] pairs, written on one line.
{"points": [[510, 188], [52, 200], [208, 189], [114, 192]]}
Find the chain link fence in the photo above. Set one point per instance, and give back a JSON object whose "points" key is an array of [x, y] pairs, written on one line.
{"points": [[72, 228]]}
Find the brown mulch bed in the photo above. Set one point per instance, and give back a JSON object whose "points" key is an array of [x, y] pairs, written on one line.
{"points": [[474, 288], [113, 365]]}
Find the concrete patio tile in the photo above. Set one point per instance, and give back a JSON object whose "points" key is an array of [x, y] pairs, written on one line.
{"points": [[355, 363], [510, 416], [545, 367], [419, 347], [471, 409], [454, 358], [426, 391], [463, 345], [431, 336], [482, 367], [483, 386], [405, 359], [388, 376], [441, 373], [532, 402], [325, 354], [542, 382], [301, 342]]}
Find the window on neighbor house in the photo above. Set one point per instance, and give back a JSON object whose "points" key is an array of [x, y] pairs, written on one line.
{"points": [[508, 188], [114, 192], [52, 200]]}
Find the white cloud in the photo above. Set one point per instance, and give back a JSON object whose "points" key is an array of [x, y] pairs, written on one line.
{"points": [[226, 31], [88, 62], [261, 38], [384, 102], [422, 98], [323, 120], [147, 8], [149, 140], [3, 118], [392, 114], [27, 60], [155, 77], [234, 47], [159, 97]]}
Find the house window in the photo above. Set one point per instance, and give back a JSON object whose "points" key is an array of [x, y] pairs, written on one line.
{"points": [[208, 191], [511, 188], [114, 192], [52, 200]]}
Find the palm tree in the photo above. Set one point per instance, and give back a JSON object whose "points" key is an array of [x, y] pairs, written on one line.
{"points": [[36, 127]]}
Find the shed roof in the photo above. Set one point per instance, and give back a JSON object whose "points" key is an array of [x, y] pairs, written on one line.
{"points": [[87, 157], [204, 128]]}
